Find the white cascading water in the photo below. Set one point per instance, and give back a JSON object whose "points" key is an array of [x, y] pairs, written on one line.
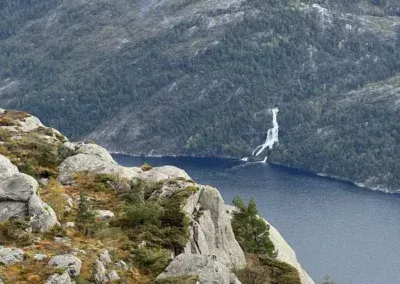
{"points": [[272, 136]]}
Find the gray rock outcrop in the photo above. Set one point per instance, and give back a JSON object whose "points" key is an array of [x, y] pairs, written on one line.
{"points": [[29, 123], [212, 251], [43, 217], [170, 187], [24, 124], [39, 257], [157, 174], [104, 214], [95, 159], [60, 279], [113, 275], [18, 187], [211, 231], [12, 209], [19, 199], [9, 256], [7, 169], [105, 257], [68, 261], [206, 267], [96, 150], [122, 265], [99, 272]]}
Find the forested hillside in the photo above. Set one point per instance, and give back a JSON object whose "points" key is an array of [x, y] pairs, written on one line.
{"points": [[199, 77]]}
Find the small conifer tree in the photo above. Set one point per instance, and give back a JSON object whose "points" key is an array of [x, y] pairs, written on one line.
{"points": [[85, 215], [251, 231]]}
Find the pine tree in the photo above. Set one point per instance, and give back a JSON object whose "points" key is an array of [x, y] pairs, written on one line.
{"points": [[328, 280], [85, 215], [251, 231]]}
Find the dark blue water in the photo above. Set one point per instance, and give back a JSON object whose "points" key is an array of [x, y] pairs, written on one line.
{"points": [[335, 228]]}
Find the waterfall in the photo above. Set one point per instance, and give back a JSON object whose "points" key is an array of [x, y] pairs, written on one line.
{"points": [[272, 136]]}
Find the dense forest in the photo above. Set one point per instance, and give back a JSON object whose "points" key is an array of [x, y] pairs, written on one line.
{"points": [[199, 78]]}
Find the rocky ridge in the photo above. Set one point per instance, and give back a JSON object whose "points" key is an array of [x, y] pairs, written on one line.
{"points": [[19, 192], [210, 254]]}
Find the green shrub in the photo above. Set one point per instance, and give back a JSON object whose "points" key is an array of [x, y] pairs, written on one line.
{"points": [[328, 280], [44, 131], [64, 152], [157, 222], [174, 223], [5, 134], [111, 233], [262, 269], [250, 230], [143, 214], [32, 154], [85, 216], [151, 260], [14, 232], [140, 191], [28, 169], [88, 182]]}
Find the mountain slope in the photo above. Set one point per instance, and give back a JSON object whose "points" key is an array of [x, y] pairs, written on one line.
{"points": [[105, 223], [199, 77]]}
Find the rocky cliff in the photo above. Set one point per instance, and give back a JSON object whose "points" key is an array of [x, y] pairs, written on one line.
{"points": [[85, 234]]}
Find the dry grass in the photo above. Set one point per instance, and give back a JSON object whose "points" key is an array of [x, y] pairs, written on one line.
{"points": [[146, 167], [52, 194], [10, 117], [14, 115], [262, 269], [27, 272]]}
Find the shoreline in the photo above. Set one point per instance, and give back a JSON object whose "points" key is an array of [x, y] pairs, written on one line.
{"points": [[360, 185]]}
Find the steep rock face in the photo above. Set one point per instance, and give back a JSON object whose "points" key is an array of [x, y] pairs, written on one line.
{"points": [[212, 250], [287, 254], [19, 199], [211, 231]]}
